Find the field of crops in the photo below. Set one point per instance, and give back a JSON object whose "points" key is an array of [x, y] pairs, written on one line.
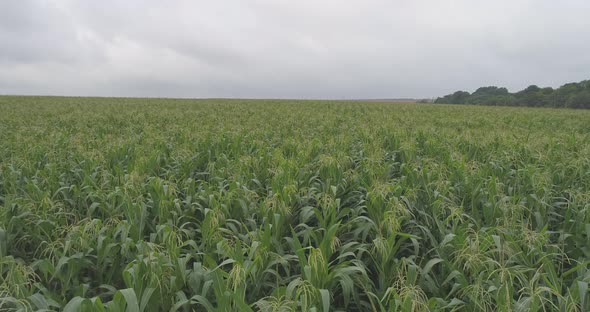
{"points": [[263, 205]]}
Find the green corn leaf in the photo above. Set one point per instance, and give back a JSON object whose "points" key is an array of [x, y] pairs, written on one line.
{"points": [[325, 295]]}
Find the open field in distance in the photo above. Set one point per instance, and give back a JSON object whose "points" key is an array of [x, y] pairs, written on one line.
{"points": [[282, 205]]}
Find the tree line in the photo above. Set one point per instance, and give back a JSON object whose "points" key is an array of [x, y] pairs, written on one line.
{"points": [[571, 95]]}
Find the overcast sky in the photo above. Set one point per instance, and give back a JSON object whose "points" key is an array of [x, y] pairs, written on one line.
{"points": [[289, 49]]}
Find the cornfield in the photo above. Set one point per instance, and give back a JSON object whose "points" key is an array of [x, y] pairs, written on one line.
{"points": [[266, 205]]}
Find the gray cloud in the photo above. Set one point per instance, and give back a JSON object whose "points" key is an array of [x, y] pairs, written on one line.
{"points": [[280, 48]]}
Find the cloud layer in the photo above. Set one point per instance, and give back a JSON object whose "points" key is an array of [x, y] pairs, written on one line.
{"points": [[289, 49]]}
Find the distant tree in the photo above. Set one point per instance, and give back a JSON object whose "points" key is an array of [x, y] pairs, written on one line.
{"points": [[532, 96], [491, 90], [490, 95], [563, 93], [459, 97], [504, 100], [574, 95], [579, 100], [531, 89]]}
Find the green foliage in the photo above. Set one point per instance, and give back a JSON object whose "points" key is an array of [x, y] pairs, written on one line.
{"points": [[571, 95], [263, 205]]}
